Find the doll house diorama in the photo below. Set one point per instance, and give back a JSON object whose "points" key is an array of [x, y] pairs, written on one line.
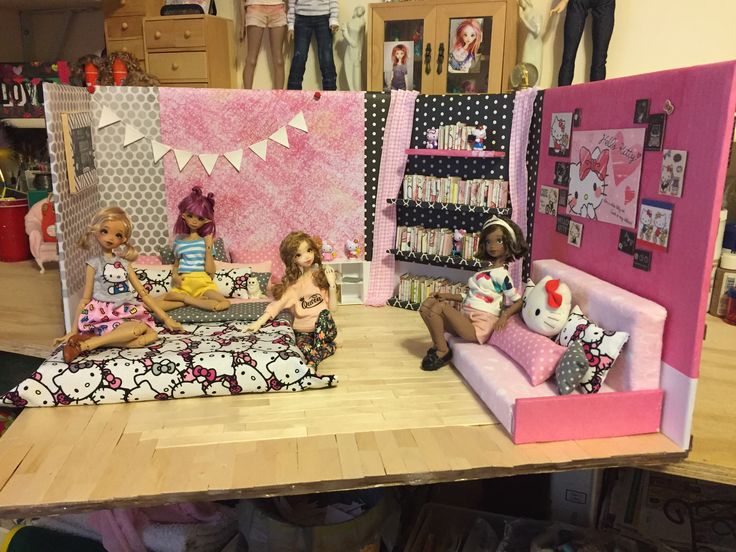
{"points": [[356, 288]]}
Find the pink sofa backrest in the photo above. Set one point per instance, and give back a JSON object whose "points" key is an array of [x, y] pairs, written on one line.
{"points": [[613, 308]]}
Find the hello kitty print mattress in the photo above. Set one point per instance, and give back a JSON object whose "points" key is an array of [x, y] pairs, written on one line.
{"points": [[209, 360]]}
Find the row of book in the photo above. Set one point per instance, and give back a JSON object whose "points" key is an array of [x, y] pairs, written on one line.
{"points": [[416, 289], [437, 241], [452, 189], [456, 137]]}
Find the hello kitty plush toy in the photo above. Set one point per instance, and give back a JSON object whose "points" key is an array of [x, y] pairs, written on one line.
{"points": [[479, 134], [352, 249], [328, 251], [457, 241], [432, 134], [587, 186], [546, 306]]}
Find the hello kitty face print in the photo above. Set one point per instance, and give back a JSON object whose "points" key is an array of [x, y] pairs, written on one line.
{"points": [[546, 306], [654, 224], [587, 183], [111, 284], [559, 134], [605, 170]]}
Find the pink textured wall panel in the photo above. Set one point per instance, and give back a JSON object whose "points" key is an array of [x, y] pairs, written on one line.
{"points": [[315, 185], [704, 99]]}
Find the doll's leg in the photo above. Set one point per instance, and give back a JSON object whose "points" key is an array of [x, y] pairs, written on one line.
{"points": [[577, 11], [436, 324], [168, 304], [456, 323], [141, 341], [255, 36], [276, 38], [325, 55], [218, 300], [425, 311], [302, 38], [119, 337], [602, 30]]}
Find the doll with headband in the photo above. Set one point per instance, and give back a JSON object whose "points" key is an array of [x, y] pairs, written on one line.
{"points": [[191, 277], [308, 289], [468, 38], [108, 314], [483, 310]]}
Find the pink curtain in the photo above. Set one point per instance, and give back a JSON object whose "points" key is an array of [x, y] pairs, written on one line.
{"points": [[396, 138]]}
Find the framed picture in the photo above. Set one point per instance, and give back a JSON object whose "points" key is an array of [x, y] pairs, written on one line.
{"points": [[673, 172], [559, 134], [466, 37], [641, 111], [562, 173], [548, 197], [79, 150], [575, 233], [655, 219], [398, 65], [655, 132]]}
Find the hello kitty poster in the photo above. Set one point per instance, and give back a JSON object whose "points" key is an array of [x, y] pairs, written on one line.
{"points": [[605, 170]]}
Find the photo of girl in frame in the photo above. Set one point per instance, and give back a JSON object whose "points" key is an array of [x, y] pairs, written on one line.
{"points": [[398, 65], [466, 37]]}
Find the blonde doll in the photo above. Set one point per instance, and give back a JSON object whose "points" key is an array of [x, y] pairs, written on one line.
{"points": [[308, 290], [108, 314], [191, 277], [483, 311], [468, 38]]}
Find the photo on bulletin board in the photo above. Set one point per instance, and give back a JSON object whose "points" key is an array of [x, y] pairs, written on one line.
{"points": [[465, 40], [562, 173], [79, 150], [626, 241], [577, 117], [605, 171], [575, 233], [559, 134], [643, 259], [655, 132], [398, 65], [562, 199], [673, 172], [563, 224], [548, 197], [655, 218], [641, 111]]}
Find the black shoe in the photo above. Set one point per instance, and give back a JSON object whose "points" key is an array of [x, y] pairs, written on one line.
{"points": [[434, 362], [430, 357]]}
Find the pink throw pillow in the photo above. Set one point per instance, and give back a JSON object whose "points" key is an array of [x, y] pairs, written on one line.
{"points": [[147, 260], [262, 266], [536, 354]]}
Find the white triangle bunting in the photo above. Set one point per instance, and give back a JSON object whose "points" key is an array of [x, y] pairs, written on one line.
{"points": [[132, 135], [299, 122], [259, 148], [107, 117], [208, 161], [280, 137], [235, 158], [159, 150], [182, 158]]}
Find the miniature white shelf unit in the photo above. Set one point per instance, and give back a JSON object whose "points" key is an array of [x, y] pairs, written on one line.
{"points": [[352, 280]]}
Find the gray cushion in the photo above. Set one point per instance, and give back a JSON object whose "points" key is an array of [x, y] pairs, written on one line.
{"points": [[572, 367], [246, 312]]}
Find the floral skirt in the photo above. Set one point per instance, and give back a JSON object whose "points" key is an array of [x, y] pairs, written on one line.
{"points": [[100, 317], [319, 344]]}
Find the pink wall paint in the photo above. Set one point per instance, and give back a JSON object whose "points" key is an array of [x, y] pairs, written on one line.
{"points": [[704, 98], [316, 185]]}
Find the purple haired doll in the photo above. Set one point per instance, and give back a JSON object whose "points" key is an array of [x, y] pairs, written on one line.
{"points": [[191, 276]]}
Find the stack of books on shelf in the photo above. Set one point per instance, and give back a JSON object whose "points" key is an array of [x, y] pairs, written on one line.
{"points": [[416, 289], [455, 137], [452, 189], [436, 241]]}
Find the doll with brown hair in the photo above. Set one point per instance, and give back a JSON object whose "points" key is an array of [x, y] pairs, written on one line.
{"points": [[482, 311], [191, 276], [108, 314], [308, 289]]}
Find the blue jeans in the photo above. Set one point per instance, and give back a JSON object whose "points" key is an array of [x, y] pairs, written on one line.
{"points": [[304, 27], [577, 12]]}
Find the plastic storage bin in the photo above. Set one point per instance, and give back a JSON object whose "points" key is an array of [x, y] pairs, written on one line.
{"points": [[14, 244]]}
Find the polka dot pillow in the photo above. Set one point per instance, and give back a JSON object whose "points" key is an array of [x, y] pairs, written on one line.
{"points": [[536, 354]]}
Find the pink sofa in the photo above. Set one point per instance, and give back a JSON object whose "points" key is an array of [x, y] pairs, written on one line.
{"points": [[43, 252], [630, 401]]}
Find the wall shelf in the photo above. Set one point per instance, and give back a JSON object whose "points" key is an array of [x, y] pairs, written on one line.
{"points": [[450, 207], [488, 154], [437, 260], [398, 303]]}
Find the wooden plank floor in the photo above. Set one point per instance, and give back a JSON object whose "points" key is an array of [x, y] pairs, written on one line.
{"points": [[713, 452], [386, 423]]}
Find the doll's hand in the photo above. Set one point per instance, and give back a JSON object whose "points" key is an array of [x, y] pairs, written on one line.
{"points": [[208, 239], [173, 325], [501, 322], [334, 28], [559, 8], [330, 275], [176, 281], [253, 326], [290, 35], [442, 296]]}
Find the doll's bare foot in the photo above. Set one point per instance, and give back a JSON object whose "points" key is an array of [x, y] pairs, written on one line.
{"points": [[73, 346], [221, 306], [146, 339]]}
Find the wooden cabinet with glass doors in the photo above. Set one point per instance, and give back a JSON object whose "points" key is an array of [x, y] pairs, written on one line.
{"points": [[442, 46]]}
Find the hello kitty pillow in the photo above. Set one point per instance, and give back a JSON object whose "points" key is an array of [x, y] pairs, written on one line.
{"points": [[602, 347], [547, 305]]}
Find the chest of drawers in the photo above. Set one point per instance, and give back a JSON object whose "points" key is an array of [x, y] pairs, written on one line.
{"points": [[124, 24]]}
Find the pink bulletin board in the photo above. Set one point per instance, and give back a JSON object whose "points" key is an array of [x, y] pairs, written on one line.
{"points": [[315, 185], [704, 99]]}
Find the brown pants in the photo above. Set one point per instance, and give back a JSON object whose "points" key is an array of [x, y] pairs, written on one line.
{"points": [[441, 317]]}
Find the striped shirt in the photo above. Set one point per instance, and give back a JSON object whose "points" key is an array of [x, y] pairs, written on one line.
{"points": [[190, 254], [312, 7]]}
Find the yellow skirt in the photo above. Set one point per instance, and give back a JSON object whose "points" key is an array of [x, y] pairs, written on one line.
{"points": [[195, 284]]}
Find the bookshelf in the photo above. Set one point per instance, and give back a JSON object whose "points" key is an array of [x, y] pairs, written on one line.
{"points": [[487, 154], [398, 303], [437, 260], [452, 207]]}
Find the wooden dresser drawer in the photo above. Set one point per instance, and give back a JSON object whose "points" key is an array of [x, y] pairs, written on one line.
{"points": [[174, 33], [123, 27], [114, 8], [178, 66], [133, 46]]}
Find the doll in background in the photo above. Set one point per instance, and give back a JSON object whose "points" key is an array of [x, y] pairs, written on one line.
{"points": [[399, 79], [468, 38], [257, 16], [191, 277], [483, 310], [577, 12], [305, 18], [309, 291], [108, 314]]}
